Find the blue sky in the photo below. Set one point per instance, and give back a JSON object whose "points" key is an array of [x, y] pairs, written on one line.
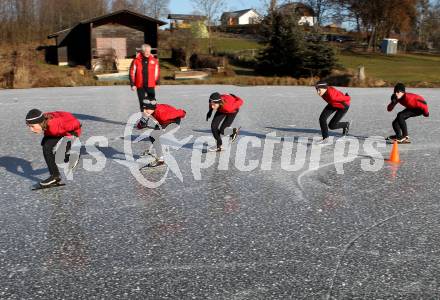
{"points": [[186, 7]]}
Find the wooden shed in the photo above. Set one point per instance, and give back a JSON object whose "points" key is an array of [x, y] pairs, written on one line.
{"points": [[111, 38]]}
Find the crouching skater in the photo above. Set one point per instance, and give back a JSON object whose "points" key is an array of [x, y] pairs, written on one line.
{"points": [[227, 107], [415, 105], [165, 115], [337, 103], [55, 126]]}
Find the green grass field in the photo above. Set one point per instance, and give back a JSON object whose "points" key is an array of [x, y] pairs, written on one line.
{"points": [[407, 68], [411, 69], [224, 44]]}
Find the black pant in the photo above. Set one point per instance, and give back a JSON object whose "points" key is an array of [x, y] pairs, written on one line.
{"points": [[399, 124], [218, 118], [48, 143], [150, 92], [334, 122], [157, 133]]}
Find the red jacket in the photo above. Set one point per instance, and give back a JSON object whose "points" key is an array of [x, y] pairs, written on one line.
{"points": [[230, 104], [411, 101], [136, 77], [62, 123], [336, 98], [166, 114]]}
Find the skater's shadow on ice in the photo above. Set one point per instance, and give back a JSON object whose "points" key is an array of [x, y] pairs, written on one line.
{"points": [[133, 138], [112, 153], [316, 132], [84, 117], [298, 130], [21, 167], [242, 133]]}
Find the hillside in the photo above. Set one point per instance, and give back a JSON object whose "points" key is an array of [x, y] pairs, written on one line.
{"points": [[24, 67]]}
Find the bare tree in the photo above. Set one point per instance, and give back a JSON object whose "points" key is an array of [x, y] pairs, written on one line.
{"points": [[272, 5], [380, 18], [157, 8], [423, 10], [120, 4], [431, 25], [211, 9], [28, 20], [153, 8]]}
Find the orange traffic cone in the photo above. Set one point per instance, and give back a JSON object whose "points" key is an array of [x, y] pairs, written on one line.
{"points": [[395, 158]]}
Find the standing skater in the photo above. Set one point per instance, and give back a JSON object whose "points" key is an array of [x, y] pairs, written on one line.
{"points": [[164, 115], [227, 107], [144, 77], [54, 126], [415, 105], [337, 102]]}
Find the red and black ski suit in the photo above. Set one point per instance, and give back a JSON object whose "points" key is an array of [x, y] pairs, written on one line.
{"points": [[415, 105], [60, 124], [337, 102], [226, 113], [165, 115]]}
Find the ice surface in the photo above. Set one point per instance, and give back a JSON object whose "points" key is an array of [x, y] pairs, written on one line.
{"points": [[264, 234]]}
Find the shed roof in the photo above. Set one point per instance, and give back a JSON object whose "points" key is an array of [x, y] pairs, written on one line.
{"points": [[140, 17]]}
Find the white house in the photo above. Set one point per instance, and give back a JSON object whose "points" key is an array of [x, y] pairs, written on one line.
{"points": [[305, 13], [241, 17]]}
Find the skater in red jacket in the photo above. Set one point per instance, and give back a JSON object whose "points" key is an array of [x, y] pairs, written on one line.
{"points": [[227, 107], [54, 126], [415, 105], [165, 115], [337, 102]]}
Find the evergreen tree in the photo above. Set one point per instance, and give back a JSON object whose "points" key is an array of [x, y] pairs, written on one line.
{"points": [[287, 53], [319, 58]]}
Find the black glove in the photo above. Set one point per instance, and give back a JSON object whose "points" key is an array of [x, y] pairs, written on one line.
{"points": [[393, 98], [208, 115]]}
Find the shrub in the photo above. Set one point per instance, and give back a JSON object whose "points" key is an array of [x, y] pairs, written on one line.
{"points": [[199, 61], [240, 60], [178, 57]]}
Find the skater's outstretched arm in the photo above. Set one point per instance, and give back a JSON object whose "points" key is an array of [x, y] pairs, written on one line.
{"points": [[209, 114], [393, 102]]}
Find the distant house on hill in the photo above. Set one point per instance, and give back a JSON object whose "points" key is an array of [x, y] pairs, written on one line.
{"points": [[179, 21], [335, 28], [305, 12], [241, 17], [111, 38]]}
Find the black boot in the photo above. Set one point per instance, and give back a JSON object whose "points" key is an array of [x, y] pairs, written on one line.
{"points": [[234, 135], [156, 163], [53, 179], [346, 129]]}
